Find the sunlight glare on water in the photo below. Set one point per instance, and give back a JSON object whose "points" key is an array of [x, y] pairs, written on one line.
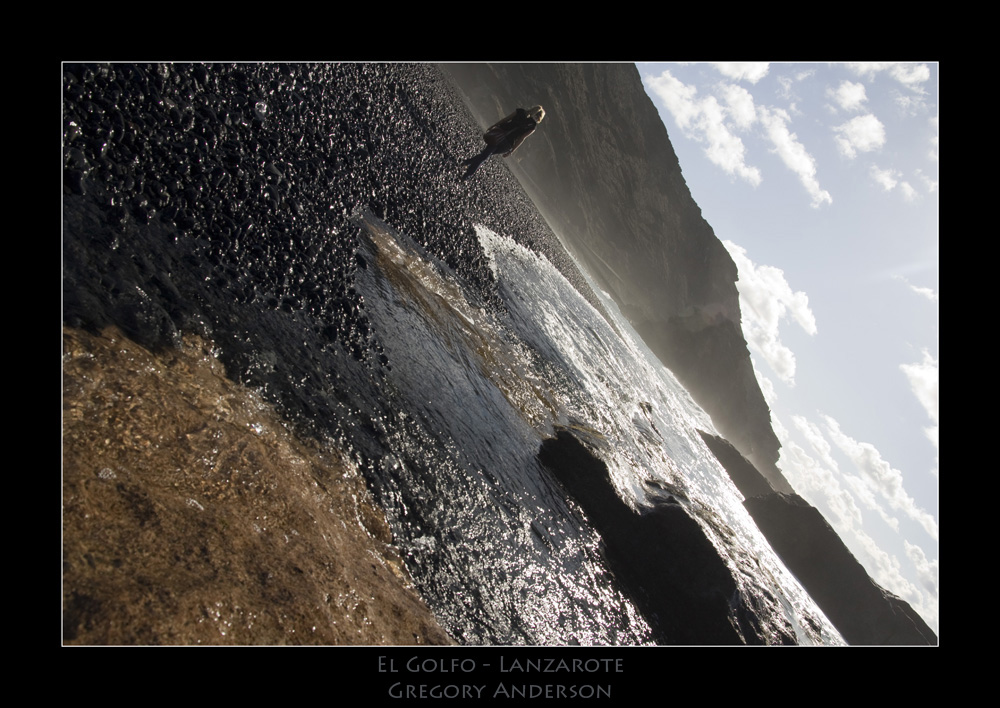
{"points": [[643, 418], [491, 538]]}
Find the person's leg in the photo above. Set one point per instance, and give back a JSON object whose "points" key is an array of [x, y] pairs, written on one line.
{"points": [[475, 162]]}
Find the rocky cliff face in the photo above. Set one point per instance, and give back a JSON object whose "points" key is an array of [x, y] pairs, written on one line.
{"points": [[622, 207], [862, 610]]}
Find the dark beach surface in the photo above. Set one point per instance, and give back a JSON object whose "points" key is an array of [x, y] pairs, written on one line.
{"points": [[214, 210]]}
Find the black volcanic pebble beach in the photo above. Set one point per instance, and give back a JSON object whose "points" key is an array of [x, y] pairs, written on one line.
{"points": [[222, 200]]}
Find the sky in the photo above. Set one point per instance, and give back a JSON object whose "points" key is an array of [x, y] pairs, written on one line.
{"points": [[822, 182]]}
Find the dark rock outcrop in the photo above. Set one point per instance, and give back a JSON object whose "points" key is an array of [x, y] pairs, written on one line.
{"points": [[861, 610], [745, 476], [622, 207], [671, 569]]}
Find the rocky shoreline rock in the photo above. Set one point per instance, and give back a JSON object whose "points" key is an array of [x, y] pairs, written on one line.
{"points": [[663, 557]]}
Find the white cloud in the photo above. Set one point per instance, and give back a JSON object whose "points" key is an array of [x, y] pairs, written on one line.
{"points": [[933, 154], [816, 480], [868, 495], [705, 120], [861, 134], [817, 442], [739, 103], [891, 179], [910, 75], [928, 293], [927, 570], [849, 96], [766, 387], [793, 153], [714, 122], [766, 299], [787, 85], [888, 179], [930, 185], [868, 69], [879, 476], [752, 71], [923, 378]]}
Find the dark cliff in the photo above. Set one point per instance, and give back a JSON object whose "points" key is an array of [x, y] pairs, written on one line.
{"points": [[861, 610], [622, 208]]}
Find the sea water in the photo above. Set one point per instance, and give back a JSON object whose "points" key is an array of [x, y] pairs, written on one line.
{"points": [[494, 544]]}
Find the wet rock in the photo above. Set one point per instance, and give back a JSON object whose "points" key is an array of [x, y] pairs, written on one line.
{"points": [[663, 557]]}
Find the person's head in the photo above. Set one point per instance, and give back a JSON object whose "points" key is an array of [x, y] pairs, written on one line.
{"points": [[536, 113]]}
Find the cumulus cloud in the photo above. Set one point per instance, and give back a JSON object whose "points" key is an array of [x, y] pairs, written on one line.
{"points": [[891, 179], [714, 122], [933, 153], [793, 153], [819, 485], [867, 494], [879, 477], [923, 378], [930, 185], [787, 83], [927, 570], [911, 78], [819, 444], [887, 179], [861, 134], [910, 75], [766, 387], [739, 103], [849, 96], [752, 71], [928, 293], [766, 299], [706, 120]]}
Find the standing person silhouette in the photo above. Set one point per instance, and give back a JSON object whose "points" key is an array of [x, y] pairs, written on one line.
{"points": [[504, 137]]}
